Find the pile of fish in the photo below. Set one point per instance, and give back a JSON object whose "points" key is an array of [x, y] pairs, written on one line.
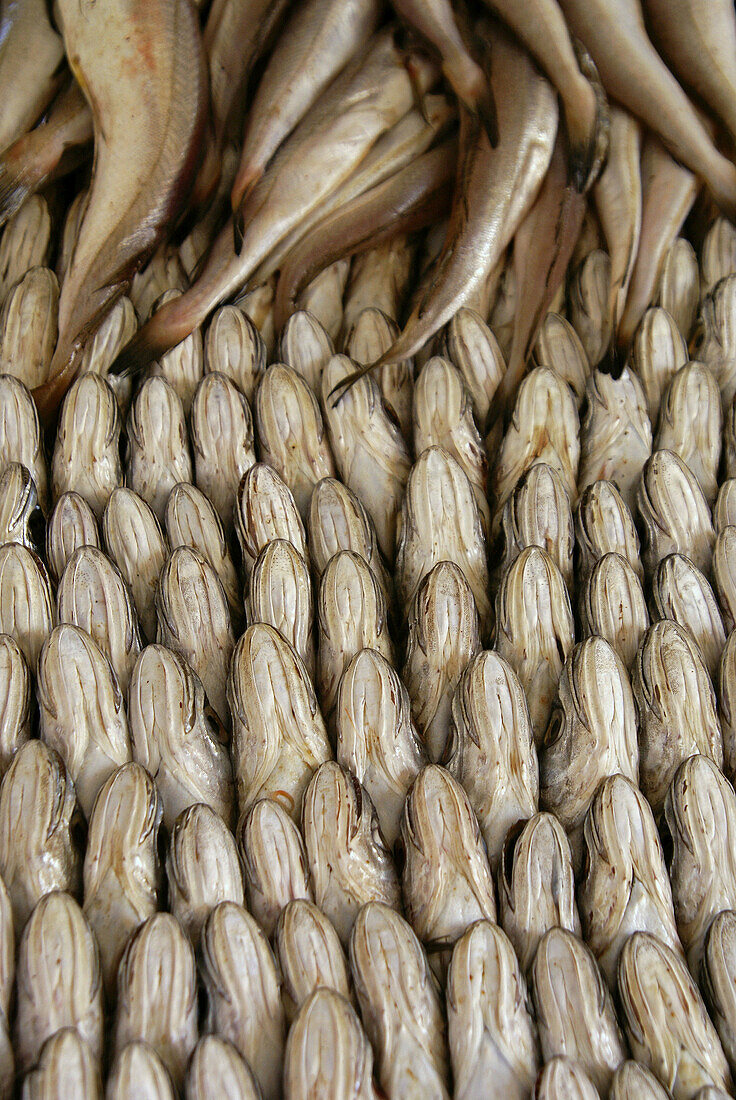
{"points": [[368, 550]]}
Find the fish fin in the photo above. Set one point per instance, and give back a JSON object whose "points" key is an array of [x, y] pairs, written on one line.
{"points": [[137, 355], [588, 148], [15, 188], [347, 383]]}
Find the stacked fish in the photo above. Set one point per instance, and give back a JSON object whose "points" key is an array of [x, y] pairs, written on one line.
{"points": [[368, 550]]}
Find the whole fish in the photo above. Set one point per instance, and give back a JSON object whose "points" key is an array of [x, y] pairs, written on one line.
{"points": [[540, 25], [634, 74], [56, 146], [435, 21], [697, 38], [495, 188], [357, 108], [141, 66], [319, 39], [31, 55], [407, 201]]}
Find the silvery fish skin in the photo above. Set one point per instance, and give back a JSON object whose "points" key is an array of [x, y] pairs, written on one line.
{"points": [[717, 979], [625, 887], [666, 1023], [538, 513], [135, 542], [265, 510], [241, 978], [589, 294], [118, 326], [370, 335], [681, 592], [677, 708], [26, 607], [38, 819], [233, 346], [563, 1079], [700, 807], [658, 352], [724, 509], [20, 435], [376, 738], [632, 1081], [558, 346], [163, 272], [490, 750], [491, 1030], [279, 737], [280, 594], [536, 885], [440, 521], [351, 615], [93, 596], [593, 732], [202, 868], [679, 285], [471, 346], [674, 513], [309, 955], [122, 872], [446, 879], [66, 1067], [58, 981], [327, 1054], [222, 441], [71, 524], [157, 456], [544, 428], [157, 993], [183, 365], [15, 701], [379, 281], [87, 448], [575, 1012], [443, 637], [174, 737], [399, 1004], [291, 433], [613, 606], [191, 520], [535, 630], [138, 1069], [216, 1070], [338, 521], [724, 574], [726, 684], [194, 621], [305, 347], [443, 416], [616, 434], [274, 862], [28, 321], [604, 524], [18, 504], [370, 453], [25, 243], [349, 862], [693, 398], [717, 336], [81, 711]]}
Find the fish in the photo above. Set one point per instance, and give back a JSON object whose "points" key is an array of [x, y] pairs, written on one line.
{"points": [[320, 38], [540, 25], [56, 146], [407, 201], [494, 190], [141, 67], [698, 42], [362, 104], [435, 21], [636, 77], [31, 65]]}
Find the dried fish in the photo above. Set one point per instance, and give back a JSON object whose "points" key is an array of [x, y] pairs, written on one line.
{"points": [[119, 326], [157, 456], [18, 506], [613, 606], [717, 253], [327, 1054], [233, 347], [281, 594], [604, 524], [558, 346], [265, 510], [590, 291], [25, 243], [134, 541], [309, 955], [717, 979], [724, 574], [222, 441], [381, 277], [724, 509], [87, 448], [674, 512], [658, 352], [726, 684], [693, 398], [71, 524], [274, 862], [66, 1067], [717, 336], [216, 1070], [305, 347], [163, 272], [20, 434], [202, 868], [372, 334], [681, 592], [26, 609], [632, 1081], [29, 326], [679, 285], [471, 346], [15, 701], [563, 1079]]}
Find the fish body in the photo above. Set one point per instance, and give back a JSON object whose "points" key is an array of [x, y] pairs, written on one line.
{"points": [[31, 55]]}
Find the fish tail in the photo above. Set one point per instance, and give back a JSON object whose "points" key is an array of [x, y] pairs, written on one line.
{"points": [[238, 229], [170, 324], [475, 93], [588, 140], [16, 185]]}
